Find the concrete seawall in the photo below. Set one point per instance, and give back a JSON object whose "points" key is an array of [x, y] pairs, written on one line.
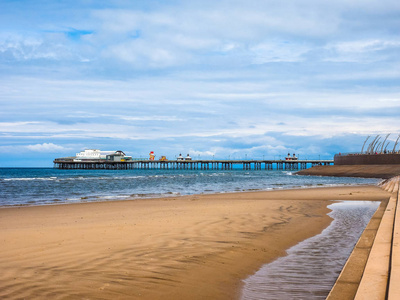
{"points": [[365, 171], [367, 159]]}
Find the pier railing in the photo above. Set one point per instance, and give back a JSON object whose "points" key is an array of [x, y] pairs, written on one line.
{"points": [[190, 164]]}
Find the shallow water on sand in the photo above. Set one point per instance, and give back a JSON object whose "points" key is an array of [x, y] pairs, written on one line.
{"points": [[311, 267]]}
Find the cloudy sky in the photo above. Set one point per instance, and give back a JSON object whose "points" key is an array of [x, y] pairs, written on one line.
{"points": [[210, 78]]}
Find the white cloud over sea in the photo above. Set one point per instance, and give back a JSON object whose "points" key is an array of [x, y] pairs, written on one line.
{"points": [[226, 78], [46, 147]]}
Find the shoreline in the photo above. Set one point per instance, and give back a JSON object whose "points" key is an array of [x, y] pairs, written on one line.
{"points": [[55, 187], [192, 246], [102, 199]]}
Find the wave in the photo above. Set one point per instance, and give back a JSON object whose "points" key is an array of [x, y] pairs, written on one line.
{"points": [[79, 178], [41, 187], [29, 178]]}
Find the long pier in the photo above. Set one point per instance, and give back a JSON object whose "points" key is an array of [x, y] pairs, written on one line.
{"points": [[189, 164]]}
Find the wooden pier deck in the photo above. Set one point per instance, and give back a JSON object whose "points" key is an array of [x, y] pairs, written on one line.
{"points": [[190, 164]]}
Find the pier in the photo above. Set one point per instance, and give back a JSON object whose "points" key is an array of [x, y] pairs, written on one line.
{"points": [[61, 163]]}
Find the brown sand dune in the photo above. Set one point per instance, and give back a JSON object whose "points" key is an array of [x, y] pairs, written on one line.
{"points": [[192, 247]]}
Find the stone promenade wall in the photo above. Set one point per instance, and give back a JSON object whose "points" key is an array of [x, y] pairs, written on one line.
{"points": [[367, 159]]}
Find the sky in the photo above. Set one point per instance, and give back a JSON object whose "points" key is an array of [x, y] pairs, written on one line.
{"points": [[223, 79]]}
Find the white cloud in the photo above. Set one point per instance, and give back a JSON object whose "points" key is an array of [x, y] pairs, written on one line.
{"points": [[36, 46], [210, 33], [5, 125], [187, 71], [151, 118], [196, 32], [361, 50], [279, 52], [365, 45], [46, 147], [195, 154]]}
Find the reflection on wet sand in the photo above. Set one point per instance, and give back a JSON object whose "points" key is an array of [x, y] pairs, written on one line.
{"points": [[312, 266]]}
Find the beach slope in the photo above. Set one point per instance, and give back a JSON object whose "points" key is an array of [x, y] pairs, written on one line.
{"points": [[191, 247]]}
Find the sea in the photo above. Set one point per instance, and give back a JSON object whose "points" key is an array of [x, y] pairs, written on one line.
{"points": [[47, 186]]}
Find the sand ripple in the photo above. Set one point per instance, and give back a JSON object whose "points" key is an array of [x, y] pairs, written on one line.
{"points": [[188, 247]]}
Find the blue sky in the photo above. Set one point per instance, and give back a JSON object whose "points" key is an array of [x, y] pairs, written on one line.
{"points": [[209, 78]]}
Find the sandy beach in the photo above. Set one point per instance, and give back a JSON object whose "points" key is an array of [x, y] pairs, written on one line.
{"points": [[190, 247]]}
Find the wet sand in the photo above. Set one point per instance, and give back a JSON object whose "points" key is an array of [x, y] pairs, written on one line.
{"points": [[191, 247]]}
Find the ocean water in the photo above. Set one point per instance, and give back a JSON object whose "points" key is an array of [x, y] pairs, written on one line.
{"points": [[43, 186], [311, 267]]}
